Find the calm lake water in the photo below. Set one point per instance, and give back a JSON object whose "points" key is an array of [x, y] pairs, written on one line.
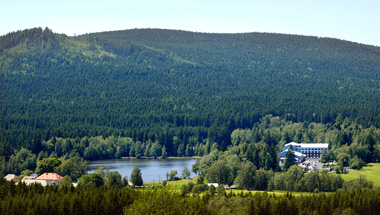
{"points": [[151, 170]]}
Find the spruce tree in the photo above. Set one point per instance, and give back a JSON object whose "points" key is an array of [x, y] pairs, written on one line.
{"points": [[290, 158], [164, 153]]}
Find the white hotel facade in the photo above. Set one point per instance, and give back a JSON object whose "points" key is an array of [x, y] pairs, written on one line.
{"points": [[305, 150]]}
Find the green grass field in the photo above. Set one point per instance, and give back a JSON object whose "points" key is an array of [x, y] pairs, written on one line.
{"points": [[371, 171], [276, 192], [173, 185], [176, 186]]}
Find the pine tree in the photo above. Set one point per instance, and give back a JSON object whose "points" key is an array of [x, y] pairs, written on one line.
{"points": [[290, 158], [164, 153]]}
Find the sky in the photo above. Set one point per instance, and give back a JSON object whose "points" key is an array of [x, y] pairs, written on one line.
{"points": [[352, 20]]}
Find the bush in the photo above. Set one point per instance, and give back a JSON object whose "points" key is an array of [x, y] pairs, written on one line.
{"points": [[190, 186], [220, 187], [358, 184], [211, 189], [184, 190], [356, 163], [198, 188], [200, 180]]}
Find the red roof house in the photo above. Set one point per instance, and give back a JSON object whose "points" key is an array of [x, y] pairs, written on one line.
{"points": [[50, 178]]}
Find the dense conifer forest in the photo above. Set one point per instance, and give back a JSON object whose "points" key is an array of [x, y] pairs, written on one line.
{"points": [[23, 199], [232, 99], [152, 84]]}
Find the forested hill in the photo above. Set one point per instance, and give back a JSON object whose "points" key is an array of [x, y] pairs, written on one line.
{"points": [[156, 84]]}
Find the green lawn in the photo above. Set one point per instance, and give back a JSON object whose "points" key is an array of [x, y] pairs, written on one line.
{"points": [[371, 171], [173, 185], [176, 186], [276, 192]]}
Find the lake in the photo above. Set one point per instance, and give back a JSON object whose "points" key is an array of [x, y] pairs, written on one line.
{"points": [[152, 170]]}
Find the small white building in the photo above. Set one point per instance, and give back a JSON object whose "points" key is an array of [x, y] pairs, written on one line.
{"points": [[29, 180], [213, 184], [12, 177]]}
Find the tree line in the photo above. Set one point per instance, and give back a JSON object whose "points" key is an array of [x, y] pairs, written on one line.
{"points": [[35, 199], [351, 145]]}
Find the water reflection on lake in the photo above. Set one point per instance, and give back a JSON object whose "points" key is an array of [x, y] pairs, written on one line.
{"points": [[152, 170]]}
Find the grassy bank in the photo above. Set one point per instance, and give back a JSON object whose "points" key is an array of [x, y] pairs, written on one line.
{"points": [[184, 158], [371, 171], [174, 158]]}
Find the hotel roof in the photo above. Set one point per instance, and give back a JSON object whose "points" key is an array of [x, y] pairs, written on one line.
{"points": [[309, 145]]}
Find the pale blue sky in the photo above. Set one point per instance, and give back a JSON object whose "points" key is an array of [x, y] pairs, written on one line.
{"points": [[351, 20]]}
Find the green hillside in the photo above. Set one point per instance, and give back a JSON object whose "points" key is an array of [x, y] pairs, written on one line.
{"points": [[156, 84]]}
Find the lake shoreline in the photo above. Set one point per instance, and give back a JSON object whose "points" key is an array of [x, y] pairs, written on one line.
{"points": [[152, 158], [152, 170]]}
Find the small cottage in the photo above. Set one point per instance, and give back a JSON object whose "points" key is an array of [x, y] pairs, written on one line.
{"points": [[12, 177]]}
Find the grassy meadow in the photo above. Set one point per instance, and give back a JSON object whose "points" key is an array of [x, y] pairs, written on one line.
{"points": [[371, 171], [173, 185], [176, 186]]}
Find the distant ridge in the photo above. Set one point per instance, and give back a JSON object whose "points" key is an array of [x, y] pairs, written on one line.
{"points": [[141, 83]]}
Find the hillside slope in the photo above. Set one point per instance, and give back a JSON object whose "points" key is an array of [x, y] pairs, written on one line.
{"points": [[156, 84]]}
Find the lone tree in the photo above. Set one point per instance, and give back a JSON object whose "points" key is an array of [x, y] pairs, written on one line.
{"points": [[185, 172], [290, 158], [172, 175], [136, 177]]}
